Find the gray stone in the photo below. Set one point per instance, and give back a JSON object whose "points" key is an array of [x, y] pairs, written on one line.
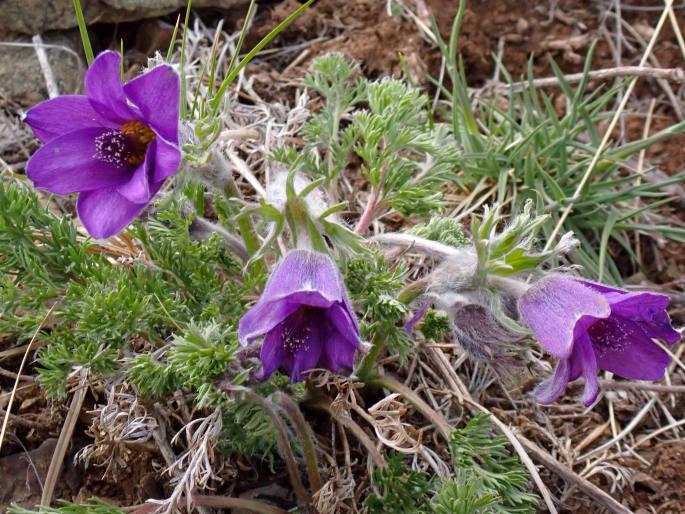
{"points": [[38, 16], [21, 77]]}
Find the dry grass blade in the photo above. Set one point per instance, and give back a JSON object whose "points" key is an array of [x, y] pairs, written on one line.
{"points": [[64, 439], [356, 431], [569, 475], [520, 450], [45, 67]]}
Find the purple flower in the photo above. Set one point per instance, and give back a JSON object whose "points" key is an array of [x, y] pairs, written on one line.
{"points": [[590, 326], [305, 317], [115, 146]]}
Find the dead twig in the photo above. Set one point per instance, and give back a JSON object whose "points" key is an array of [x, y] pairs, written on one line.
{"points": [[50, 82], [20, 420], [676, 75], [639, 386], [227, 502]]}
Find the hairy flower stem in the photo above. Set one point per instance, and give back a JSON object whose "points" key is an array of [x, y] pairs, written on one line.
{"points": [[434, 417], [367, 367], [303, 497], [514, 288], [304, 431], [370, 212], [218, 173], [412, 291], [201, 228]]}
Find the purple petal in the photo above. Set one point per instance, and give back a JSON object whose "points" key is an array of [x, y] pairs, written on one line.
{"points": [[338, 353], [104, 89], [262, 318], [137, 188], [157, 95], [553, 387], [306, 357], [67, 164], [601, 288], [638, 305], [622, 347], [553, 307], [308, 277], [588, 363], [104, 212], [343, 321], [414, 320], [272, 352], [54, 118], [649, 310], [167, 159], [660, 328]]}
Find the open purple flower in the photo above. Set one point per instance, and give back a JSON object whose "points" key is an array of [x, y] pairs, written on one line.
{"points": [[115, 146], [590, 326], [305, 317]]}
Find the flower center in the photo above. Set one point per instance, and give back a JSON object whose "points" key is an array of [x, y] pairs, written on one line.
{"points": [[297, 330], [609, 335], [124, 147]]}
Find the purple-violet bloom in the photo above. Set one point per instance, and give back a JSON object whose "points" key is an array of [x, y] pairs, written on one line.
{"points": [[590, 326], [305, 317], [115, 145]]}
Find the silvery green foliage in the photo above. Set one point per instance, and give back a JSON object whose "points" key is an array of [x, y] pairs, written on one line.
{"points": [[406, 157], [487, 480], [511, 250]]}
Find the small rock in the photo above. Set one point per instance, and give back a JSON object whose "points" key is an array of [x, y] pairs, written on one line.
{"points": [[38, 16], [21, 77], [522, 25], [23, 474]]}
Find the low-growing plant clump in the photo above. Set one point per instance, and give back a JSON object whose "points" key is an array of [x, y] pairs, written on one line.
{"points": [[287, 309]]}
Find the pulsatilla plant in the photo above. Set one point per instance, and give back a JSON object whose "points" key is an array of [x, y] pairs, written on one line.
{"points": [[260, 303]]}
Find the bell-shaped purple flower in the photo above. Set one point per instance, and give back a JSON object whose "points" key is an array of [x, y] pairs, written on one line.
{"points": [[115, 146], [305, 317], [590, 326]]}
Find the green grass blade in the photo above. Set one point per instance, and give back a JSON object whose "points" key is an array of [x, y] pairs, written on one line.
{"points": [[170, 50], [243, 32], [83, 31], [231, 76], [184, 85]]}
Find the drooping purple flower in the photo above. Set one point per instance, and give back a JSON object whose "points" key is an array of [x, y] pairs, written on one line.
{"points": [[590, 326], [305, 317], [115, 145]]}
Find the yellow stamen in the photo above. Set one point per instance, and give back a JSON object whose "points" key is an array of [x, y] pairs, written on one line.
{"points": [[139, 137]]}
